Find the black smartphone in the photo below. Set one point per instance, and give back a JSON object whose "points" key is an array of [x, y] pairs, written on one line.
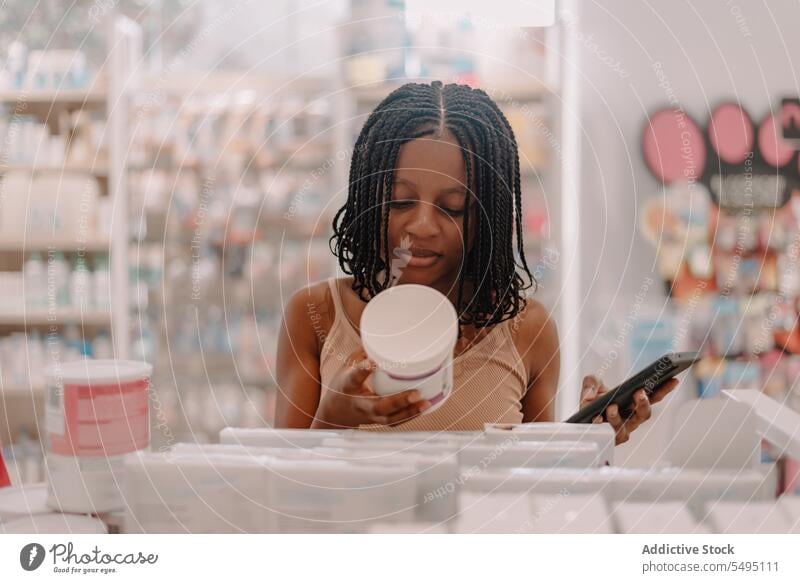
{"points": [[649, 379]]}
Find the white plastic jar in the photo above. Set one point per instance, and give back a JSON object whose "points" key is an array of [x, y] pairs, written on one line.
{"points": [[410, 332], [96, 412]]}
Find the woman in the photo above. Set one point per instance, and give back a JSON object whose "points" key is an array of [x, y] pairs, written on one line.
{"points": [[434, 199]]}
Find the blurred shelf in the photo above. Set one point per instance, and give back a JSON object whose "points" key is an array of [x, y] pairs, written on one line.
{"points": [[375, 92], [39, 317], [87, 96], [98, 170], [284, 163], [55, 243]]}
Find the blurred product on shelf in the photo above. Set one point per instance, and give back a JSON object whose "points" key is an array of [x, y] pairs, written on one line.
{"points": [[24, 356], [45, 69], [59, 207], [79, 142], [229, 217], [53, 284], [25, 465]]}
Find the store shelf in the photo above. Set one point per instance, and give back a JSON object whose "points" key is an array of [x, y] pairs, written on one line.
{"points": [[16, 244], [38, 317], [84, 97], [374, 93], [99, 170]]}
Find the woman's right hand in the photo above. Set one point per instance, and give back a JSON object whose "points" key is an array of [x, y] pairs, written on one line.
{"points": [[348, 402]]}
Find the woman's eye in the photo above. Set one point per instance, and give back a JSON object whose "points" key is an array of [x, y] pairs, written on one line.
{"points": [[453, 212], [400, 204]]}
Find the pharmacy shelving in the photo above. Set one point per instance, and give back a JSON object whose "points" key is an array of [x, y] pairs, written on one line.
{"points": [[58, 317], [38, 243], [98, 170], [96, 96], [57, 115], [229, 178]]}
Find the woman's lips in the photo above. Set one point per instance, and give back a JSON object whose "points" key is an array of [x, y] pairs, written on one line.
{"points": [[422, 257]]}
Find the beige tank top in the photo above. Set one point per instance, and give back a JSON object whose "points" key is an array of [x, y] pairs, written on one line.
{"points": [[489, 378]]}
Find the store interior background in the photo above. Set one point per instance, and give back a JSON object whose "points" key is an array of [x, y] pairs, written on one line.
{"points": [[200, 253]]}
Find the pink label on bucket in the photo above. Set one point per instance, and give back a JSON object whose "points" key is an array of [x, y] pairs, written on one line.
{"points": [[103, 420]]}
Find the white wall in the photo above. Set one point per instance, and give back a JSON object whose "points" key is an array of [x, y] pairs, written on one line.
{"points": [[709, 50]]}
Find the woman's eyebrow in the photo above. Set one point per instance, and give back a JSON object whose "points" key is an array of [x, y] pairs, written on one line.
{"points": [[444, 191], [454, 190]]}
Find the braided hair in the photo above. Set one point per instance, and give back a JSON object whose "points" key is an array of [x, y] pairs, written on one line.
{"points": [[491, 159]]}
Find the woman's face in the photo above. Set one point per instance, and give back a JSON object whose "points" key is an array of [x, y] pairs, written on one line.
{"points": [[426, 221]]}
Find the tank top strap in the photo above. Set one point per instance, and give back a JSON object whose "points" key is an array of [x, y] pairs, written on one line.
{"points": [[340, 319], [337, 299]]}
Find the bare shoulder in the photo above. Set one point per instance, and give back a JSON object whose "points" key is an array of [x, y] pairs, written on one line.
{"points": [[533, 322], [308, 313], [535, 335]]}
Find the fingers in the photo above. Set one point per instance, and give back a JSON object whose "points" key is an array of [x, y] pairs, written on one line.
{"points": [[641, 410], [355, 375], [408, 413], [592, 388], [590, 381], [663, 390], [356, 356], [616, 421], [386, 406]]}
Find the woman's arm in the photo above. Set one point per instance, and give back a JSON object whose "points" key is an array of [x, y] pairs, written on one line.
{"points": [[297, 369], [537, 343]]}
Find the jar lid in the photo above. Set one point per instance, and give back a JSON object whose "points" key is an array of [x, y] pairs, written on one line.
{"points": [[99, 371], [409, 327]]}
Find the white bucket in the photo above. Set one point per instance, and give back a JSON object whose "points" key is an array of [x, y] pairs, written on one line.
{"points": [[22, 501], [410, 332], [96, 412], [54, 523]]}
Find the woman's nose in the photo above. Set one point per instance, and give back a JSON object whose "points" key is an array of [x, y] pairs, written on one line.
{"points": [[423, 221]]}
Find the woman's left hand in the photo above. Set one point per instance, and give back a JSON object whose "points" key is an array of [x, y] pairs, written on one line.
{"points": [[593, 388]]}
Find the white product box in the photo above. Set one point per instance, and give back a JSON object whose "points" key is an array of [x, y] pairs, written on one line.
{"points": [[569, 514], [492, 513], [693, 487], [332, 496], [266, 437], [170, 493], [656, 518], [524, 513], [419, 436], [436, 478], [792, 506], [395, 445], [748, 517], [407, 528], [540, 480], [600, 434], [777, 423], [252, 451], [528, 454]]}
